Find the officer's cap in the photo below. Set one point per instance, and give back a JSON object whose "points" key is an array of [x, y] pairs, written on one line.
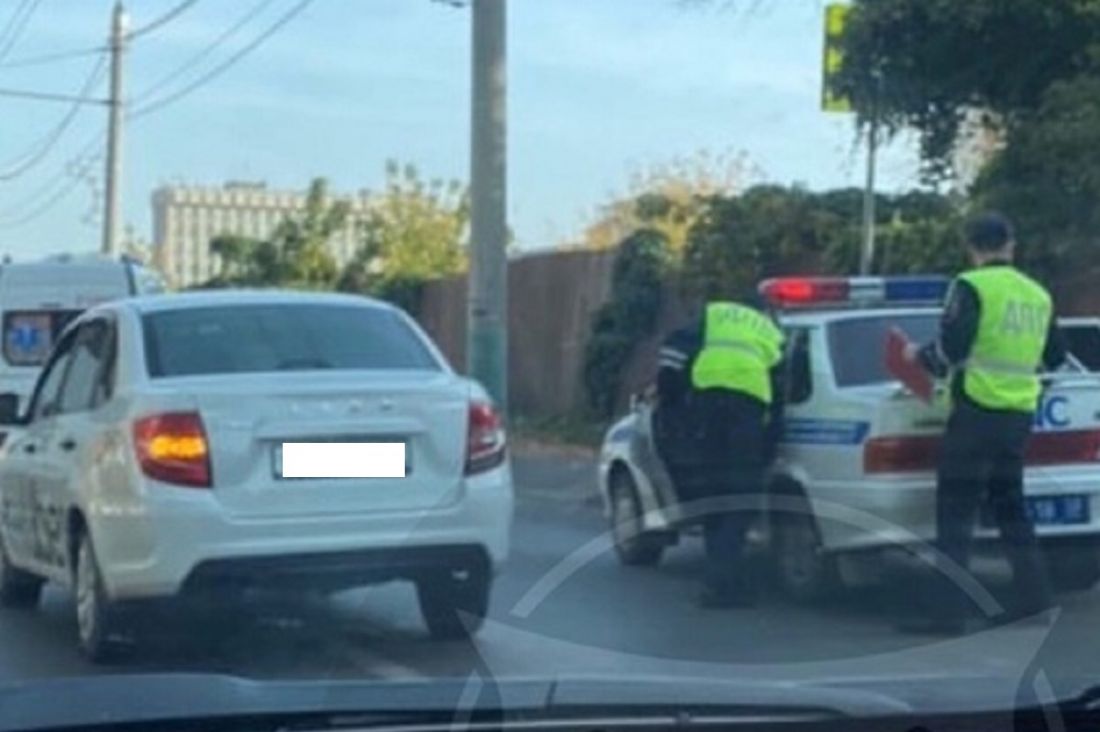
{"points": [[989, 232]]}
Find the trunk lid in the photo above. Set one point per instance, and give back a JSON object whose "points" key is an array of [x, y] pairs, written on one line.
{"points": [[1066, 430], [247, 418]]}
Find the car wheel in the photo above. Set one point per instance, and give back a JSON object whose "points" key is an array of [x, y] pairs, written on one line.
{"points": [[1074, 569], [454, 603], [633, 545], [804, 572], [17, 588], [95, 614]]}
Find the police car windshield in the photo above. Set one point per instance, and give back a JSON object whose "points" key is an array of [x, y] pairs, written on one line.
{"points": [[854, 344]]}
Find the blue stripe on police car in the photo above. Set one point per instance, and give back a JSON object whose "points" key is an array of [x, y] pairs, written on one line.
{"points": [[825, 431]]}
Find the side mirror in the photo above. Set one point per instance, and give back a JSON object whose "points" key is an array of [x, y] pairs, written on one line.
{"points": [[9, 409]]}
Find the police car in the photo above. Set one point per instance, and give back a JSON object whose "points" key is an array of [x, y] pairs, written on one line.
{"points": [[855, 474]]}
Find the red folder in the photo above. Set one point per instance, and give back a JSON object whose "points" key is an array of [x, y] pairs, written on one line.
{"points": [[909, 373]]}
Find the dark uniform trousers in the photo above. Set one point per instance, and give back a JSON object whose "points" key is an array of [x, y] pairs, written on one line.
{"points": [[725, 464], [982, 459]]}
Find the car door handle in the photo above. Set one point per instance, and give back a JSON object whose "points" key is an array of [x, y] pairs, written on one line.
{"points": [[67, 444]]}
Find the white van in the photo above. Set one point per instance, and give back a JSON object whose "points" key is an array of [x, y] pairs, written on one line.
{"points": [[38, 299]]}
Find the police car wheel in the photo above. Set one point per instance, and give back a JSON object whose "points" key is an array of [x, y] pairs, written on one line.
{"points": [[633, 545], [803, 571], [17, 588]]}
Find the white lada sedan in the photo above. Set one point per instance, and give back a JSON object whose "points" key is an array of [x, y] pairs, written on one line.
{"points": [[190, 444]]}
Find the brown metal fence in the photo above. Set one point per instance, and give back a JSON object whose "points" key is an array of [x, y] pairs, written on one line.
{"points": [[551, 298]]}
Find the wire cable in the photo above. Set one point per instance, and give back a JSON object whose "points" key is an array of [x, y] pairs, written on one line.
{"points": [[168, 17], [199, 57], [76, 170], [221, 68], [16, 26], [48, 58], [38, 151]]}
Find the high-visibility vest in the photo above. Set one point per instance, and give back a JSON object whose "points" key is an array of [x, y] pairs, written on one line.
{"points": [[740, 346], [1002, 372]]}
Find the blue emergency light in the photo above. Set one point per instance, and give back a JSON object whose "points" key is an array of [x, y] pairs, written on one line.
{"points": [[791, 292]]}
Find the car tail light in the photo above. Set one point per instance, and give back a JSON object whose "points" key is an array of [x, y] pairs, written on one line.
{"points": [[484, 439], [1063, 448], [901, 454], [172, 448]]}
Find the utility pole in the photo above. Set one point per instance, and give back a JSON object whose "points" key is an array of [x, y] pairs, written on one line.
{"points": [[867, 254], [487, 314], [113, 200]]}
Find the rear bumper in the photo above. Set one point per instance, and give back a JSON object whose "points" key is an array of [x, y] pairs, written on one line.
{"points": [[330, 570], [183, 538], [897, 512]]}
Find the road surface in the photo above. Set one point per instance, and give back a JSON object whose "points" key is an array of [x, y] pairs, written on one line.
{"points": [[583, 615]]}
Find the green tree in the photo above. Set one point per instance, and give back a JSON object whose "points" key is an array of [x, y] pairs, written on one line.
{"points": [[769, 230], [930, 65], [923, 64], [1048, 178], [668, 197], [776, 230], [302, 243], [297, 253], [627, 318], [413, 231], [234, 254]]}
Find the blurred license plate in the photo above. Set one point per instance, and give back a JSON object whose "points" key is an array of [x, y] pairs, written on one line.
{"points": [[341, 460], [1058, 510]]}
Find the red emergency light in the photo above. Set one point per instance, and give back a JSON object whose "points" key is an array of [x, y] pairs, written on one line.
{"points": [[804, 291]]}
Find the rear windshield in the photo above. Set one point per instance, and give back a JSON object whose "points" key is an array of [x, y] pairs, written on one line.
{"points": [[253, 338], [857, 346], [30, 334]]}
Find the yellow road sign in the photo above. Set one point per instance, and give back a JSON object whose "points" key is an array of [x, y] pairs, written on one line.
{"points": [[836, 15]]}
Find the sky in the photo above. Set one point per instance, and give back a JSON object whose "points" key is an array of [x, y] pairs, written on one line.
{"points": [[598, 90]]}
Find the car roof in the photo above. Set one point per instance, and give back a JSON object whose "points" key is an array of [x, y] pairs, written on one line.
{"points": [[819, 317], [215, 298]]}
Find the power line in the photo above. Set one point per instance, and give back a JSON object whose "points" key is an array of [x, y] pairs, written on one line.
{"points": [[49, 97], [40, 150], [168, 17], [75, 172], [13, 22], [47, 58], [221, 68], [204, 53], [16, 26]]}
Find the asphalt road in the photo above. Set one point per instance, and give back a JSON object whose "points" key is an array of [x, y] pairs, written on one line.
{"points": [[565, 606]]}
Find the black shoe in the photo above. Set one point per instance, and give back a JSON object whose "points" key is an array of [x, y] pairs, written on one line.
{"points": [[714, 599], [946, 627]]}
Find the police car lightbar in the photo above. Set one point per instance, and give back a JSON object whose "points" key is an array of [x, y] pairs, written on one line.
{"points": [[795, 292]]}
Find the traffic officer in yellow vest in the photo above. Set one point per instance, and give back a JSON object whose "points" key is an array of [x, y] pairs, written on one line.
{"points": [[715, 384], [998, 330]]}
